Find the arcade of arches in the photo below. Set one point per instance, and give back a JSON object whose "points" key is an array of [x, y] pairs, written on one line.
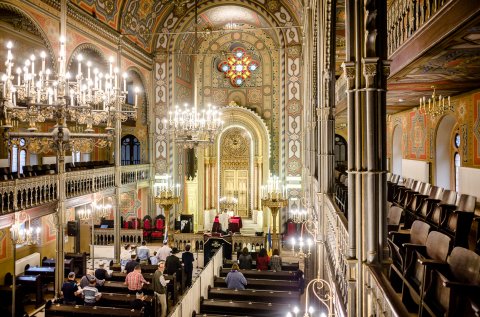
{"points": [[367, 114]]}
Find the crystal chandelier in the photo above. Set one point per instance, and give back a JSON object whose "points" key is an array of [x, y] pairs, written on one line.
{"points": [[30, 97], [22, 232], [435, 107], [298, 215], [192, 128]]}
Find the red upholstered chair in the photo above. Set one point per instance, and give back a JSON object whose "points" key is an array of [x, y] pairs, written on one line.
{"points": [[125, 225], [159, 229], [135, 223], [147, 228]]}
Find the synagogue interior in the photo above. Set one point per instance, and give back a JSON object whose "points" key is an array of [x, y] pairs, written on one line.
{"points": [[240, 158]]}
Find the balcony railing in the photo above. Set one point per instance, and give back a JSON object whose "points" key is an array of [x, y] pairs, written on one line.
{"points": [[135, 173], [107, 236], [89, 181], [336, 244], [405, 17], [27, 192]]}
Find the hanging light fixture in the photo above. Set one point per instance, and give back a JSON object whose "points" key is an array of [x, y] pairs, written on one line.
{"points": [[435, 105], [22, 231], [36, 95], [189, 125]]}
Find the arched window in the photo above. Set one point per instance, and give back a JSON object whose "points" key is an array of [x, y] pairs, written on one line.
{"points": [[18, 157], [130, 150], [456, 159], [340, 151]]}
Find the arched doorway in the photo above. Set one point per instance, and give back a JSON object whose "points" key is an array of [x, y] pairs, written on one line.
{"points": [[340, 151], [397, 153], [443, 173]]}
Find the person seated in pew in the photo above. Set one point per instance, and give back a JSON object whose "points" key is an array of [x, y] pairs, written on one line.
{"points": [[154, 258], [276, 261], [235, 278], [90, 293], [101, 273], [135, 280], [70, 290], [262, 260], [245, 260], [85, 280], [130, 266]]}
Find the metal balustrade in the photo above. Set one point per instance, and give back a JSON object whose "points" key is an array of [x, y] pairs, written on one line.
{"points": [[135, 173], [27, 192], [406, 17]]}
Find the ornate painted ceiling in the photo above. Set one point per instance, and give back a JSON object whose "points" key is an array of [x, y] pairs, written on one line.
{"points": [[452, 66]]}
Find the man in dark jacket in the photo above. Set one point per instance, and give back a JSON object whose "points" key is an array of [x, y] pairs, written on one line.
{"points": [[130, 266], [187, 260], [172, 264]]}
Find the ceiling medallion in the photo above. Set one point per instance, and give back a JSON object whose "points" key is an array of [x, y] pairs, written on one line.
{"points": [[238, 66]]}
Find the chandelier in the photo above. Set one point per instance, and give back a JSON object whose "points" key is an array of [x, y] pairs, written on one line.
{"points": [[238, 67], [92, 99], [165, 188], [22, 232], [436, 105], [102, 210], [192, 128]]}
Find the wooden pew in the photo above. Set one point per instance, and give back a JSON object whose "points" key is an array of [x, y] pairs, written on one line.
{"points": [[79, 262], [266, 296], [270, 275], [68, 263], [285, 266], [120, 276], [146, 268], [280, 285], [47, 273], [120, 287], [217, 306], [32, 283], [77, 310], [121, 300]]}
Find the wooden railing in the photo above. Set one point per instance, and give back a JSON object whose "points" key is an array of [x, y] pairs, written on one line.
{"points": [[27, 192], [89, 181], [253, 242], [405, 17], [107, 236], [135, 173]]}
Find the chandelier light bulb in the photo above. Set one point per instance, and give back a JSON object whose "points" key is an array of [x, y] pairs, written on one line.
{"points": [[43, 54], [80, 57], [9, 45], [32, 58]]}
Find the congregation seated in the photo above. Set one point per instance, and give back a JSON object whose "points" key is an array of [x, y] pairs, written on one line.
{"points": [[90, 293]]}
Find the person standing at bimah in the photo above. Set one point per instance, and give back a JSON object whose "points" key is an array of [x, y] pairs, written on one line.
{"points": [[160, 290], [223, 218]]}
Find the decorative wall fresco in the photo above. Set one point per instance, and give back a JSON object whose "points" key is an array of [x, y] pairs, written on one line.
{"points": [[130, 204], [419, 131]]}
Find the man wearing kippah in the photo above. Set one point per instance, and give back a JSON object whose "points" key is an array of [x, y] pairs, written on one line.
{"points": [[70, 290]]}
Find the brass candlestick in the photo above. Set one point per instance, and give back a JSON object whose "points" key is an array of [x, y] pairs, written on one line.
{"points": [[275, 203]]}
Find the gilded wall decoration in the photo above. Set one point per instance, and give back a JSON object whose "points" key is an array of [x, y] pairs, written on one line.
{"points": [[235, 144]]}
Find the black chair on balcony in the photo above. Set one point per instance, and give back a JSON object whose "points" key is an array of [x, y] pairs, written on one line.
{"points": [[436, 249], [396, 242], [421, 189], [401, 189], [458, 222], [394, 217], [421, 202], [451, 287], [437, 212]]}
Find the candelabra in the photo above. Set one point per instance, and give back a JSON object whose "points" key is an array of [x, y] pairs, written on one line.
{"points": [[167, 196], [304, 247], [228, 202], [436, 106], [298, 215], [21, 232], [274, 197], [192, 128]]}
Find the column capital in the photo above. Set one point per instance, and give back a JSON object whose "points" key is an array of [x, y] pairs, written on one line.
{"points": [[370, 69], [386, 68], [349, 73]]}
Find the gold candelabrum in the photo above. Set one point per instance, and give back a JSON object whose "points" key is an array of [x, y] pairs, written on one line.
{"points": [[166, 199], [435, 105], [229, 203], [274, 197]]}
